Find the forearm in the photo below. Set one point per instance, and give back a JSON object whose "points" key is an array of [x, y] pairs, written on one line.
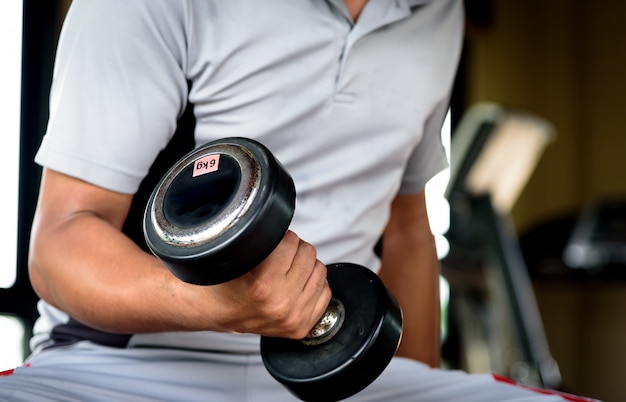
{"points": [[410, 270], [82, 263], [89, 269]]}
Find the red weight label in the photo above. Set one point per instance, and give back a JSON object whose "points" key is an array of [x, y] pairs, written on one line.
{"points": [[206, 165]]}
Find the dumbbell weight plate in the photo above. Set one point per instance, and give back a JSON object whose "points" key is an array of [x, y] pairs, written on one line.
{"points": [[355, 356], [219, 211]]}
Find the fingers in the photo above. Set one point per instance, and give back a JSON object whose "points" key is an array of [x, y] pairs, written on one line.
{"points": [[291, 285], [305, 268], [313, 300]]}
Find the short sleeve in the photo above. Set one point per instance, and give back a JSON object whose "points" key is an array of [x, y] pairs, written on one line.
{"points": [[429, 157], [118, 88]]}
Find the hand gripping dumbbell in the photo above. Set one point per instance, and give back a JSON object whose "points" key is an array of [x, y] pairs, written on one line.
{"points": [[221, 210]]}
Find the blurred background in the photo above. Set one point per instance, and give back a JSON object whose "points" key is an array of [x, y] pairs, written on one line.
{"points": [[565, 61], [537, 317]]}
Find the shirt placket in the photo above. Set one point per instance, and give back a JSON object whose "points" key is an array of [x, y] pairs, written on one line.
{"points": [[376, 14]]}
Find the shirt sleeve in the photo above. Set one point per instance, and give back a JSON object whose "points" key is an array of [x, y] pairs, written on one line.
{"points": [[429, 157], [119, 85]]}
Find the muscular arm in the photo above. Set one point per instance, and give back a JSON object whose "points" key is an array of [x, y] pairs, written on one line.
{"points": [[81, 263], [410, 270]]}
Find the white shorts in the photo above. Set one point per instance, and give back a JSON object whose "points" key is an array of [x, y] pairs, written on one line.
{"points": [[88, 372]]}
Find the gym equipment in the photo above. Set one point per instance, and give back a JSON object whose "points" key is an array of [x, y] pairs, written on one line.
{"points": [[222, 209], [494, 152], [598, 238]]}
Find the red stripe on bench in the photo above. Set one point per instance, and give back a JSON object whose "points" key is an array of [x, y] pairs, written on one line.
{"points": [[567, 397]]}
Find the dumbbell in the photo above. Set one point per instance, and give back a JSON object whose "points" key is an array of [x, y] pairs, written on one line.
{"points": [[220, 211]]}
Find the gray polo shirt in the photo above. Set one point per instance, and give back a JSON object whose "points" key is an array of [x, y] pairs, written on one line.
{"points": [[353, 111]]}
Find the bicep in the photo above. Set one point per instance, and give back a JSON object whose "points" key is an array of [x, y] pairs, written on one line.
{"points": [[63, 197], [408, 217], [63, 201]]}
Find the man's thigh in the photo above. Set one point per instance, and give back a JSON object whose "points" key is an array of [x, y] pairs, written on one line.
{"points": [[410, 381], [86, 372]]}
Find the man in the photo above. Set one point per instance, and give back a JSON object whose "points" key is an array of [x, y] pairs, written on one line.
{"points": [[349, 96]]}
